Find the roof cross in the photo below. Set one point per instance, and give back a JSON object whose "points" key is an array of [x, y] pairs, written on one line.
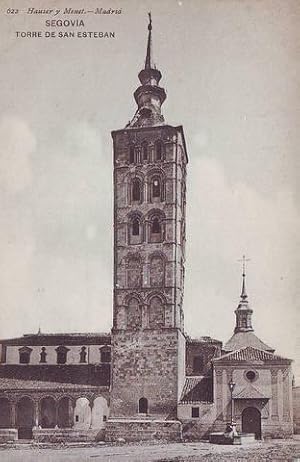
{"points": [[244, 260]]}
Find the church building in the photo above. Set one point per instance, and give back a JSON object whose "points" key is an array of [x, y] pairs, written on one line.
{"points": [[147, 379]]}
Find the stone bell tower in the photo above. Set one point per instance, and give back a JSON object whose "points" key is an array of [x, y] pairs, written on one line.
{"points": [[148, 342]]}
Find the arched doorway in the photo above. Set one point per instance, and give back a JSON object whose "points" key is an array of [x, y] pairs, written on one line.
{"points": [[251, 421], [4, 413], [65, 413], [48, 413], [82, 413], [99, 412], [25, 418], [143, 406]]}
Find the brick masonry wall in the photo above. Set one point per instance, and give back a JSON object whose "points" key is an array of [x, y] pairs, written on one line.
{"points": [[141, 430], [145, 364]]}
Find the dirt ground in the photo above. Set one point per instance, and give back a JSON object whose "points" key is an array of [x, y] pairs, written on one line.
{"points": [[273, 451]]}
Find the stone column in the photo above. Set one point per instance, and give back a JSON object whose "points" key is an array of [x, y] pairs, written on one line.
{"points": [[218, 386], [71, 412], [56, 414], [35, 413], [13, 414], [274, 387], [286, 395]]}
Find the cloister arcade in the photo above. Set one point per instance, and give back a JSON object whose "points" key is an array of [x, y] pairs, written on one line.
{"points": [[50, 410]]}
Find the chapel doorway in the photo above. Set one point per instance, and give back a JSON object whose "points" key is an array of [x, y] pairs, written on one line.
{"points": [[251, 421], [25, 418]]}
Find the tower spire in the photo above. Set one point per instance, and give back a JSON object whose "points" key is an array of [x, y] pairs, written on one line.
{"points": [[149, 96], [244, 295], [148, 62], [243, 312]]}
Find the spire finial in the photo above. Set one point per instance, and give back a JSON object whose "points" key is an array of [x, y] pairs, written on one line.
{"points": [[148, 62], [244, 293]]}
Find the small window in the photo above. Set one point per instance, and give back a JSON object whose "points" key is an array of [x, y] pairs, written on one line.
{"points": [[105, 355], [195, 412], [104, 418], [136, 190], [43, 355], [156, 189], [251, 375], [76, 418], [136, 227], [131, 154], [24, 355], [61, 352], [143, 406], [83, 354]]}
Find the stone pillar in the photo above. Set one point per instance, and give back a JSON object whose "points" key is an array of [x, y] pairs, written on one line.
{"points": [[280, 394], [36, 413], [72, 404], [274, 386], [56, 414], [91, 404], [13, 414], [218, 386], [286, 395]]}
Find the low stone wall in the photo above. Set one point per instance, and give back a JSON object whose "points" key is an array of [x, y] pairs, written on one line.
{"points": [[60, 435], [8, 434], [143, 430]]}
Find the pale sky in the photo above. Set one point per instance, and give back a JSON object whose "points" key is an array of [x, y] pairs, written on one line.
{"points": [[231, 71]]}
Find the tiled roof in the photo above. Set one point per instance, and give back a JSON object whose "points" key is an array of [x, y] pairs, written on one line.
{"points": [[11, 384], [88, 338], [197, 389], [250, 354], [244, 339], [250, 392], [44, 376], [203, 340]]}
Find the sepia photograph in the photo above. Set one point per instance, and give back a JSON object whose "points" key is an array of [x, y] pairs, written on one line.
{"points": [[149, 230]]}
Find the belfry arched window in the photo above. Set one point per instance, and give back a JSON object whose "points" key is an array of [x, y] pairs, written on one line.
{"points": [[157, 271], [156, 313], [136, 190], [144, 151], [134, 272], [131, 154], [136, 227], [134, 314], [158, 150], [156, 188], [156, 227]]}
